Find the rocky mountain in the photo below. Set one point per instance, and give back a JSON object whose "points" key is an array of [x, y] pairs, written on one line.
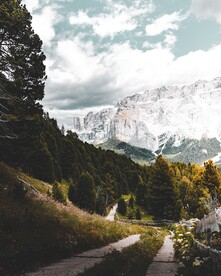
{"points": [[180, 122]]}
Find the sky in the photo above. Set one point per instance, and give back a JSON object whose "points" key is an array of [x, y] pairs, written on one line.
{"points": [[100, 51]]}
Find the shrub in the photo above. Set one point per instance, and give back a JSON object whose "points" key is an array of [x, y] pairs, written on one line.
{"points": [[138, 214], [122, 207], [57, 193]]}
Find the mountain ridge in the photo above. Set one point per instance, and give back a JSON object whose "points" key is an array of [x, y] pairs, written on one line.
{"points": [[151, 120]]}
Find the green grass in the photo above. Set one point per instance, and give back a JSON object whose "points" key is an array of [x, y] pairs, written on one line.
{"points": [[133, 260], [35, 230], [41, 186], [145, 215]]}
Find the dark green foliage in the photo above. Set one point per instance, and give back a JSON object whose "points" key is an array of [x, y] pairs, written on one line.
{"points": [[72, 193], [141, 192], [122, 207], [131, 201], [42, 162], [111, 188], [211, 178], [131, 214], [100, 203], [86, 192], [162, 190], [57, 193], [21, 58], [138, 214], [41, 148], [35, 232]]}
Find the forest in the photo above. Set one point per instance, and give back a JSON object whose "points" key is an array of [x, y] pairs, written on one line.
{"points": [[47, 174], [32, 142]]}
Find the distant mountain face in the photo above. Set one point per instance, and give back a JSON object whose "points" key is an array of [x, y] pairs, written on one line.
{"points": [[183, 123]]}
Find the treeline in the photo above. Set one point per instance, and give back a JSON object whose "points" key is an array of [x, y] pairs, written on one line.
{"points": [[31, 141], [45, 152], [178, 190]]}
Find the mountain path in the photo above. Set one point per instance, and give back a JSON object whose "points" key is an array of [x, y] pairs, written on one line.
{"points": [[164, 263], [81, 262], [112, 213]]}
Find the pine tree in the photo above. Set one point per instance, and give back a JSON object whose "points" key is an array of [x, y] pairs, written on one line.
{"points": [[100, 203], [131, 202], [141, 192], [162, 192], [111, 187], [138, 214], [122, 207], [86, 192], [21, 58], [72, 193], [211, 178]]}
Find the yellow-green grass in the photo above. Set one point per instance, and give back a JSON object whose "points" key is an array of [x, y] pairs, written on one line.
{"points": [[35, 230], [145, 215]]}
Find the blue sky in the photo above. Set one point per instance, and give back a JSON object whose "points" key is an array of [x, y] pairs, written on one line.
{"points": [[99, 51]]}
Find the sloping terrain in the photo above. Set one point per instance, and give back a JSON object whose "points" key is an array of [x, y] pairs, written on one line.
{"points": [[35, 229]]}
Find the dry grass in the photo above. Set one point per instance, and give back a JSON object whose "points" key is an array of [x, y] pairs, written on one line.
{"points": [[35, 229]]}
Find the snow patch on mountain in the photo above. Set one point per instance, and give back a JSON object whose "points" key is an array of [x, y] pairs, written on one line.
{"points": [[158, 118]]}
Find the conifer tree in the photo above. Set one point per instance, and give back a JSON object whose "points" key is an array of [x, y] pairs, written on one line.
{"points": [[211, 178], [86, 192], [141, 192], [162, 192], [131, 201], [138, 214], [72, 193], [122, 207], [21, 58]]}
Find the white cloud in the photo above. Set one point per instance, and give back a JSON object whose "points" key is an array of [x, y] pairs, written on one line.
{"points": [[105, 24], [118, 18], [31, 5], [78, 77], [43, 23], [170, 40], [165, 23], [207, 9]]}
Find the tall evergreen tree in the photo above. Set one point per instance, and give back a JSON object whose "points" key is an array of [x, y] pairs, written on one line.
{"points": [[141, 192], [162, 191], [211, 178], [86, 192], [122, 207], [21, 58]]}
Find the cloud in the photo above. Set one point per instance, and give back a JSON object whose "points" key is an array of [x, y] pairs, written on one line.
{"points": [[207, 9], [170, 40], [117, 18], [44, 22], [165, 23], [105, 24], [82, 74], [31, 5], [78, 77]]}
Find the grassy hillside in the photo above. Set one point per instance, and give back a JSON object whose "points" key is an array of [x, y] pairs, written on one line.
{"points": [[34, 229]]}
